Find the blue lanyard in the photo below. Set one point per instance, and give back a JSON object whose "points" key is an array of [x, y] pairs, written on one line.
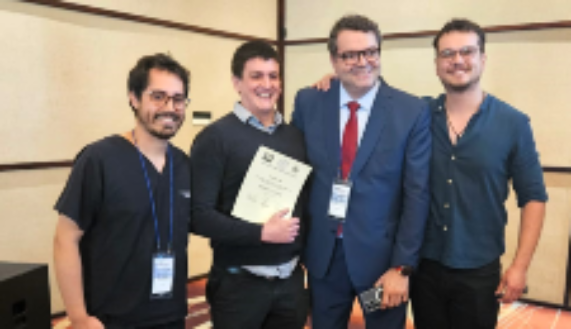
{"points": [[152, 199]]}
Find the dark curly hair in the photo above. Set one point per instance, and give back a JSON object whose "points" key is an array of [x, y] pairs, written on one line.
{"points": [[139, 75]]}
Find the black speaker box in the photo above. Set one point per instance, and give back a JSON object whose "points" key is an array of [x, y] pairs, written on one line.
{"points": [[24, 296]]}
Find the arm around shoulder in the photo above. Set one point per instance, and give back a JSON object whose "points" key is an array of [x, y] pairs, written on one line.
{"points": [[297, 115]]}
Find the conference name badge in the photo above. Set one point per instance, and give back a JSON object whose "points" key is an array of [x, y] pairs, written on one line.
{"points": [[339, 202], [163, 275]]}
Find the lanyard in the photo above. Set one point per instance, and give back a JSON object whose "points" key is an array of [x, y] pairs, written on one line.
{"points": [[152, 199]]}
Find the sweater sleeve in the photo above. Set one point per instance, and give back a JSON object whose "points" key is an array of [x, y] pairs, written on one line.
{"points": [[208, 157]]}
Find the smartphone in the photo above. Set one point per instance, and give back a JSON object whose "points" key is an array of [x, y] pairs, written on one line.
{"points": [[371, 299]]}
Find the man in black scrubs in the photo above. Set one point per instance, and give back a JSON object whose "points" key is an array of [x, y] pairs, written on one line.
{"points": [[121, 238]]}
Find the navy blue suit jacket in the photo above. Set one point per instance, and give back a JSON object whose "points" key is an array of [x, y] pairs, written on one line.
{"points": [[389, 202]]}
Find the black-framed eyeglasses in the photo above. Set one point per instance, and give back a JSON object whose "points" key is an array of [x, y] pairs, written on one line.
{"points": [[466, 52], [160, 98], [352, 57]]}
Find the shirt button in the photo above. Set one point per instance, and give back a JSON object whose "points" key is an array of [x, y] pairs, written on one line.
{"points": [[449, 181], [445, 228], [453, 158], [446, 205]]}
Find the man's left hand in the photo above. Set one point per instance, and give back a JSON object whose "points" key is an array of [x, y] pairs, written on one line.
{"points": [[395, 288], [512, 284]]}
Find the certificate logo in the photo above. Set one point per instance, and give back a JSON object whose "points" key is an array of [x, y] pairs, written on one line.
{"points": [[268, 157]]}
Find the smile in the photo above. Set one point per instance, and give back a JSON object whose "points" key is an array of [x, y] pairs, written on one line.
{"points": [[265, 95], [167, 118]]}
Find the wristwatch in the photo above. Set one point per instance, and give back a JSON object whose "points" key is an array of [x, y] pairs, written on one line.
{"points": [[404, 270]]}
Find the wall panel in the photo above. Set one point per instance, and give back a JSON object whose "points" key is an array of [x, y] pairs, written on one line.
{"points": [[250, 17], [67, 83], [64, 86], [417, 15]]}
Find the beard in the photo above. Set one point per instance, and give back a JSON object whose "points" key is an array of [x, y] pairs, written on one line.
{"points": [[460, 88], [163, 134]]}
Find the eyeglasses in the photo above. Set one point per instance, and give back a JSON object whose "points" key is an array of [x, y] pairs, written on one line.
{"points": [[466, 52], [160, 98], [352, 57]]}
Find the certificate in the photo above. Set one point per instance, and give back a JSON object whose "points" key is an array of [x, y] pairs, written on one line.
{"points": [[273, 182]]}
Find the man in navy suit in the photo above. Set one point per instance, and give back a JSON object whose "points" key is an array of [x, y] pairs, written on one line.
{"points": [[369, 145]]}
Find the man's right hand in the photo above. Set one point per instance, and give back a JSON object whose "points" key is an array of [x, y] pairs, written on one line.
{"points": [[325, 83], [87, 322], [280, 230]]}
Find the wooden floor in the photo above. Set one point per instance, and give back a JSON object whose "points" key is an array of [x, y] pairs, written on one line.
{"points": [[512, 316]]}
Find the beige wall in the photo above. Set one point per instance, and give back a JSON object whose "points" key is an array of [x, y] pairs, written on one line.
{"points": [[63, 85], [68, 72], [313, 19], [529, 70], [250, 17]]}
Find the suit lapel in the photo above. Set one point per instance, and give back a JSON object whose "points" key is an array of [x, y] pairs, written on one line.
{"points": [[330, 120], [375, 126]]}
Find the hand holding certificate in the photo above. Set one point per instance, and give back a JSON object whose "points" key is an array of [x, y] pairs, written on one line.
{"points": [[279, 229], [273, 183]]}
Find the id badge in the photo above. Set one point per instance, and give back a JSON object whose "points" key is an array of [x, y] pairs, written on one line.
{"points": [[340, 194], [163, 275]]}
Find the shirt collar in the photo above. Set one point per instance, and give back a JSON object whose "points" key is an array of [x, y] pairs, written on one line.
{"points": [[438, 104], [247, 117], [365, 102]]}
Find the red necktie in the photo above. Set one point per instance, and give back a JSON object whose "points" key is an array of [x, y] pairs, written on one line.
{"points": [[349, 146], [350, 136]]}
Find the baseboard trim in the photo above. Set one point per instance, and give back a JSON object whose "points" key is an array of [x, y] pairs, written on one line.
{"points": [[545, 304], [59, 315], [197, 277]]}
